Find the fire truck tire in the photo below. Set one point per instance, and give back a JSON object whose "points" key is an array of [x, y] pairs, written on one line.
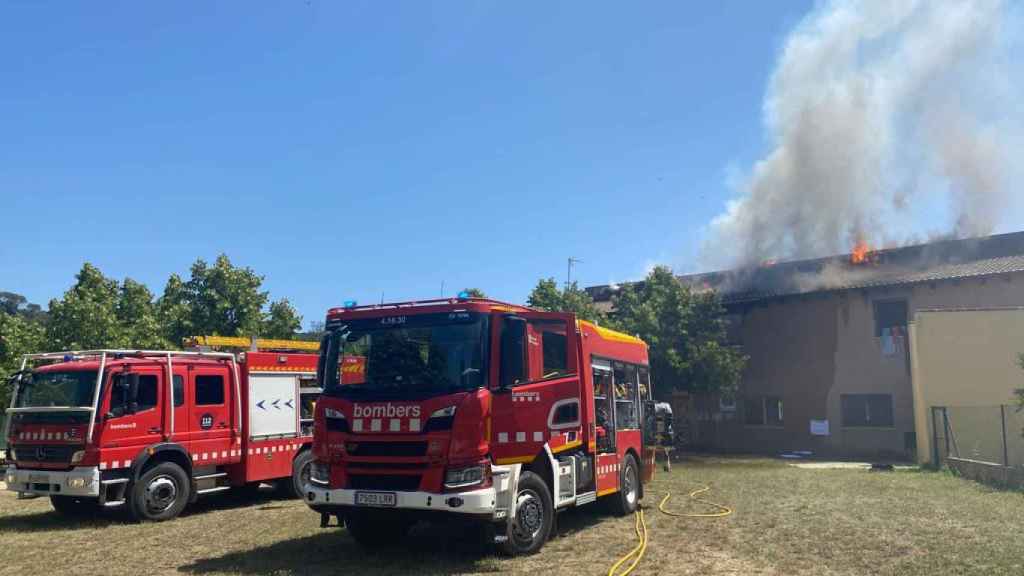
{"points": [[294, 485], [627, 498], [377, 528], [535, 515], [74, 507], [160, 493]]}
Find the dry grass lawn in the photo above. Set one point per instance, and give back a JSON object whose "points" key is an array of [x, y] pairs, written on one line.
{"points": [[787, 521]]}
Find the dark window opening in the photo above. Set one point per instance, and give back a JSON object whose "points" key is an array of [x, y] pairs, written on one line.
{"points": [[209, 390], [145, 399], [179, 391], [867, 410], [567, 413], [764, 411], [889, 315]]}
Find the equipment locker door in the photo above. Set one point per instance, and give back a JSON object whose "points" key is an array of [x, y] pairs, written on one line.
{"points": [[210, 417]]}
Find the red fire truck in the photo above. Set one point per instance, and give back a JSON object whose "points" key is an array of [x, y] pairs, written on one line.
{"points": [[476, 409], [152, 430]]}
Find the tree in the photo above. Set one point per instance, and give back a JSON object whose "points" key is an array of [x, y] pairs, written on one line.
{"points": [[474, 293], [283, 321], [18, 336], [547, 296], [221, 299], [86, 317], [137, 314], [685, 333]]}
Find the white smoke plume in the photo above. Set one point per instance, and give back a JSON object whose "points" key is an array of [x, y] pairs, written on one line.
{"points": [[885, 119]]}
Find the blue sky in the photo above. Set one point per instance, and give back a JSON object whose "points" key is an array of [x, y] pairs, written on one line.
{"points": [[348, 149]]}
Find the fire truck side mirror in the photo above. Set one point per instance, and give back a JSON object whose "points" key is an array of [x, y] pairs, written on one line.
{"points": [[133, 394], [513, 351]]}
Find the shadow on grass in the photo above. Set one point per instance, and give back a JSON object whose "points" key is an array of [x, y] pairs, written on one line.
{"points": [[51, 521], [446, 549]]}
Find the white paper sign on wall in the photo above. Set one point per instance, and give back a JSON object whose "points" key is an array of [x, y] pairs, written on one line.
{"points": [[819, 428]]}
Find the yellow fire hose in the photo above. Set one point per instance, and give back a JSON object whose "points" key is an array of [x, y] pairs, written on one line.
{"points": [[636, 553], [723, 511], [641, 528]]}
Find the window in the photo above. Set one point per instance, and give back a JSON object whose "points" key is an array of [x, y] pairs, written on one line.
{"points": [[867, 410], [625, 396], [889, 315], [645, 382], [602, 405], [763, 411], [548, 344], [773, 411], [179, 391], [145, 398], [209, 390], [565, 414]]}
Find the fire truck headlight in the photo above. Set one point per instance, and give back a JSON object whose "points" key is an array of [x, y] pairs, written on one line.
{"points": [[468, 476], [11, 478], [78, 456], [76, 482], [320, 472]]}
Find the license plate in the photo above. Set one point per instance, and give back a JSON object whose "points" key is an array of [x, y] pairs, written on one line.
{"points": [[376, 498], [38, 479]]}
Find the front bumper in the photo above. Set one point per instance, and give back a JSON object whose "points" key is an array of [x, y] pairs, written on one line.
{"points": [[81, 481], [479, 503]]}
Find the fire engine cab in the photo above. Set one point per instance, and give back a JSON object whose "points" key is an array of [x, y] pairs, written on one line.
{"points": [[152, 430], [476, 409]]}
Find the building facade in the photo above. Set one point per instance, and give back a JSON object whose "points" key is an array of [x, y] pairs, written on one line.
{"points": [[829, 368]]}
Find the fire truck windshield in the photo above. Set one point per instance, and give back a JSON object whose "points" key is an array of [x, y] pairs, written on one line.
{"points": [[52, 389], [418, 355]]}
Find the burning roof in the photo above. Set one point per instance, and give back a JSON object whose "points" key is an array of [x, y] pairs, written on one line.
{"points": [[862, 268]]}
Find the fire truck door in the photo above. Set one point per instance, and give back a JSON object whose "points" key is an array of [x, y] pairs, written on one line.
{"points": [[210, 415]]}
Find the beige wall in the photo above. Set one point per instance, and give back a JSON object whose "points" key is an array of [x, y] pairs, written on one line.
{"points": [[966, 359], [813, 349]]}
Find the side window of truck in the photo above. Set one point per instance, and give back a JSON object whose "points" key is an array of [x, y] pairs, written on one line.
{"points": [[548, 345], [209, 390], [179, 391], [147, 394]]}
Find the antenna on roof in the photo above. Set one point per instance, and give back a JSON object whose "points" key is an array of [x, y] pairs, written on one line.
{"points": [[568, 272]]}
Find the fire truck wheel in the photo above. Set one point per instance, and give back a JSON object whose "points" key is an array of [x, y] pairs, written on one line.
{"points": [[377, 528], [534, 516], [628, 497], [160, 493], [294, 485], [71, 506]]}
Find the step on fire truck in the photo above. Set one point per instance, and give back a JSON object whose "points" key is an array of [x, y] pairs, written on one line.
{"points": [[476, 409], [152, 430]]}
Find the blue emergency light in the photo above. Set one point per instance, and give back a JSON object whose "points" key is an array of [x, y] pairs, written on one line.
{"points": [[350, 304]]}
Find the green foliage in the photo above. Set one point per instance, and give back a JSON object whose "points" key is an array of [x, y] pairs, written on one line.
{"points": [[86, 316], [474, 293], [223, 300], [18, 336], [283, 321], [547, 296], [685, 332]]}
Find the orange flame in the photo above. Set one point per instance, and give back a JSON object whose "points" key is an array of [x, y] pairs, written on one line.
{"points": [[861, 253]]}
